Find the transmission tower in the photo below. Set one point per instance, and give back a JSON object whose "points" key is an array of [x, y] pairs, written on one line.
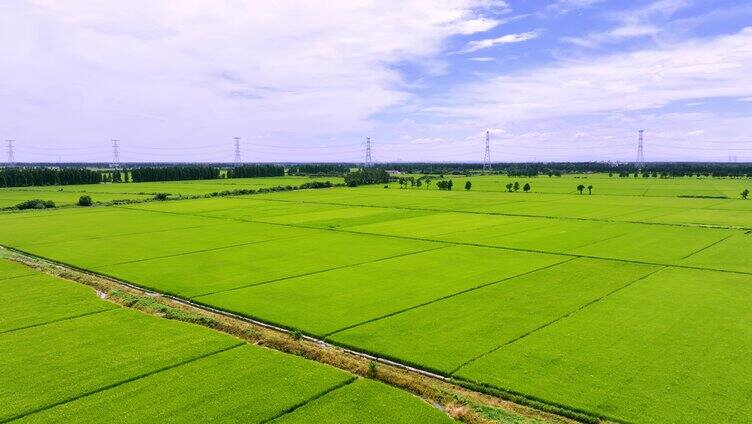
{"points": [[115, 154], [640, 155], [238, 159], [487, 154], [11, 155], [369, 162]]}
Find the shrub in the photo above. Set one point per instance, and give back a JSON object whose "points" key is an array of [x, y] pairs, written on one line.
{"points": [[161, 196], [445, 184], [296, 335], [85, 201], [36, 204], [316, 184], [373, 369]]}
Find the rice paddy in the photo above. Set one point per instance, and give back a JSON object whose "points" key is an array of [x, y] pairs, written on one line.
{"points": [[629, 304], [68, 356]]}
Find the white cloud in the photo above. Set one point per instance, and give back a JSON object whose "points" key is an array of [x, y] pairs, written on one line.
{"points": [[692, 70], [204, 71], [566, 6], [482, 59], [632, 23], [476, 45]]}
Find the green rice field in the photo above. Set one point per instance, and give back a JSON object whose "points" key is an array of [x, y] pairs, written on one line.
{"points": [[630, 304], [69, 194], [67, 356]]}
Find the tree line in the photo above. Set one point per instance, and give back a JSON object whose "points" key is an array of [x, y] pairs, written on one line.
{"points": [[329, 169], [25, 177], [253, 171], [532, 169], [173, 173]]}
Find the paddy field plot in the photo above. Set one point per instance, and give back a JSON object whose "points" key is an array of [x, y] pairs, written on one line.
{"points": [[68, 356], [596, 303], [672, 347], [69, 194]]}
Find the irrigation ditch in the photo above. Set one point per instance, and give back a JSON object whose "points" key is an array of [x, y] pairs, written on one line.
{"points": [[462, 400]]}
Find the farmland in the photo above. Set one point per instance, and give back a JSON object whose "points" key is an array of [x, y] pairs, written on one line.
{"points": [[69, 194], [53, 334], [629, 304]]}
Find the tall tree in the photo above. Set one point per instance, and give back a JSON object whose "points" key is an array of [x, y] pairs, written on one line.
{"points": [[590, 189], [468, 185], [580, 188], [526, 187]]}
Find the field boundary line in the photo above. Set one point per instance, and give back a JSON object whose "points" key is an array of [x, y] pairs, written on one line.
{"points": [[439, 299], [212, 249], [340, 230], [676, 265], [17, 276], [305, 402], [43, 243], [709, 246], [560, 318], [428, 385], [41, 324], [517, 249], [121, 382], [691, 225], [276, 280]]}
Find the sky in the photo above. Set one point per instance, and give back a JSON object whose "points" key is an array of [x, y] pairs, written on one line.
{"points": [[304, 81]]}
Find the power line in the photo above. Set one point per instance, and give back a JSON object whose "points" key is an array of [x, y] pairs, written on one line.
{"points": [[11, 154], [369, 162], [640, 154], [487, 154], [238, 159]]}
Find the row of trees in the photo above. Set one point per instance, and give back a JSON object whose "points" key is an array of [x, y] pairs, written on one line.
{"points": [[173, 173], [253, 171], [516, 187], [366, 176], [332, 169], [581, 188], [25, 177], [668, 169]]}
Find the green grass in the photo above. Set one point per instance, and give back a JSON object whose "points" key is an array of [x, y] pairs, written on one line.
{"points": [[367, 402], [329, 301], [201, 273], [731, 254], [74, 357], [71, 357], [446, 334], [55, 226], [12, 197], [10, 269], [245, 384], [33, 300], [120, 249], [673, 347]]}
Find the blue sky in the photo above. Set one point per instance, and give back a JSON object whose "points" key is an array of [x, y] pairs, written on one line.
{"points": [[308, 81]]}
